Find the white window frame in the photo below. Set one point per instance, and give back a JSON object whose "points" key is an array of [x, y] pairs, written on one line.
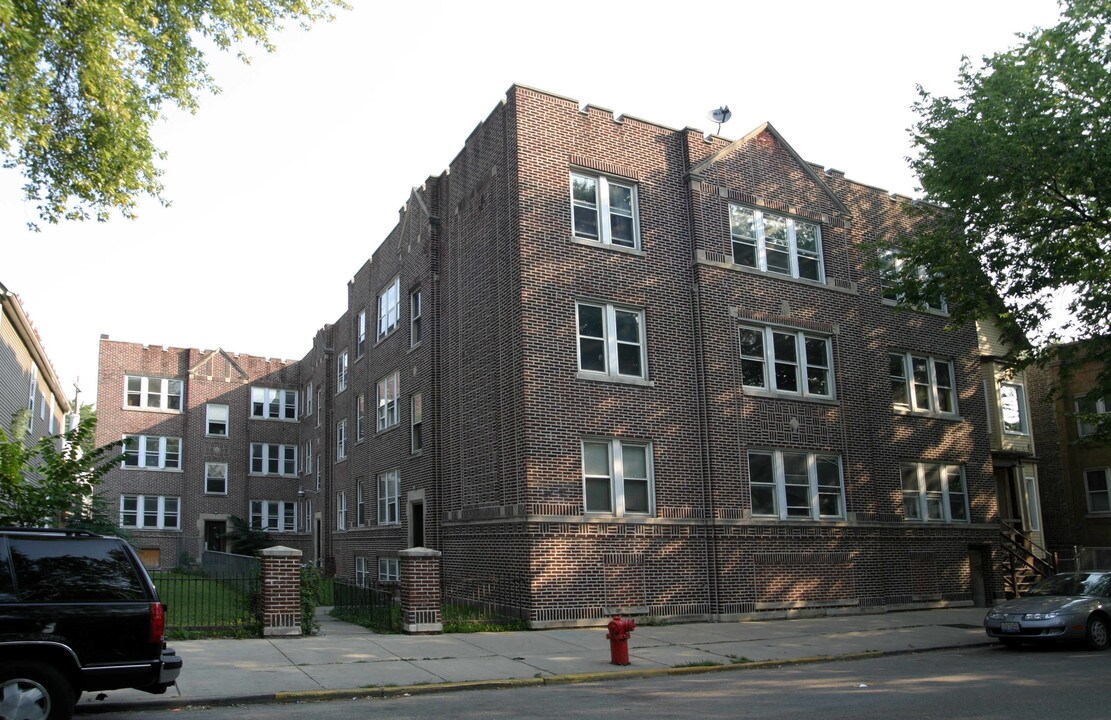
{"points": [[360, 334], [362, 574], [154, 387], [910, 383], [920, 497], [785, 504], [604, 210], [389, 307], [360, 504], [416, 313], [320, 405], [341, 440], [221, 475], [1099, 407], [891, 264], [388, 569], [273, 515], [341, 511], [756, 238], [212, 415], [416, 424], [389, 497], [360, 417], [1099, 507], [341, 372], [166, 508], [282, 456], [308, 399], [615, 476], [163, 449], [388, 392], [1020, 407], [610, 342], [802, 363], [31, 397], [308, 456], [53, 415], [274, 404]]}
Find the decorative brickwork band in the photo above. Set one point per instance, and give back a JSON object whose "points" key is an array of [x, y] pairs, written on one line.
{"points": [[420, 591], [281, 591]]}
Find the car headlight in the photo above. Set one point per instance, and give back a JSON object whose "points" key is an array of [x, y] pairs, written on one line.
{"points": [[995, 615], [1041, 616]]}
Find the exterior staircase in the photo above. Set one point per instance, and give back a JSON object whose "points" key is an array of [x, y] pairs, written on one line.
{"points": [[1024, 561]]}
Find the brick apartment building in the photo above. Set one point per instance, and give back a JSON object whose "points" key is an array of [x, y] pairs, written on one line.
{"points": [[601, 365]]}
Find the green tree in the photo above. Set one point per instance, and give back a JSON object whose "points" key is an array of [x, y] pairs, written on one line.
{"points": [[1016, 171], [81, 84], [42, 484]]}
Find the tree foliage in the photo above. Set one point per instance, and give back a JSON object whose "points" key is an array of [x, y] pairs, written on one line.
{"points": [[1016, 169], [44, 484], [81, 84]]}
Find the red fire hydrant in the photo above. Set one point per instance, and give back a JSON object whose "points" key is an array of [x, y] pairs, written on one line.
{"points": [[618, 636]]}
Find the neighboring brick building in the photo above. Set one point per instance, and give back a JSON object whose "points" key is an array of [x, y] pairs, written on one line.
{"points": [[27, 377], [603, 365]]}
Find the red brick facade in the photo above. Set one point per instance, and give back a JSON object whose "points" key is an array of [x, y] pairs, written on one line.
{"points": [[509, 408]]}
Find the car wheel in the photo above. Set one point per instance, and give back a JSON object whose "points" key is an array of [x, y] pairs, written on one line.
{"points": [[34, 691], [1098, 636], [1011, 643]]}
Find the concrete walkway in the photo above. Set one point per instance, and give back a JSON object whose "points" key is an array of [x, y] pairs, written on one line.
{"points": [[346, 660]]}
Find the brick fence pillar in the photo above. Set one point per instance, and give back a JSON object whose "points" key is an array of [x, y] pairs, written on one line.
{"points": [[281, 591], [420, 591]]}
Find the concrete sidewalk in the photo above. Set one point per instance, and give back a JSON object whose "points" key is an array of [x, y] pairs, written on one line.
{"points": [[346, 660]]}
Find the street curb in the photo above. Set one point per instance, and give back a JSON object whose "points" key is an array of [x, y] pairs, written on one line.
{"points": [[393, 691]]}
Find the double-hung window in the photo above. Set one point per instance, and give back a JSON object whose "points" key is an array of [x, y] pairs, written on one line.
{"points": [[415, 313], [891, 267], [1098, 486], [152, 393], [611, 340], [341, 439], [389, 307], [1012, 408], [273, 403], [215, 478], [360, 417], [273, 459], [362, 576], [786, 361], [216, 420], [308, 399], [786, 484], [922, 384], [360, 504], [617, 477], [274, 515], [934, 492], [388, 569], [150, 512], [341, 372], [388, 498], [604, 209], [152, 452], [360, 333], [341, 510], [1087, 409], [388, 414], [416, 438], [774, 243], [308, 457]]}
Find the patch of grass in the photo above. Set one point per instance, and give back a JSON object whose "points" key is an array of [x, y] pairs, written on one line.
{"points": [[698, 663], [738, 659], [380, 619], [199, 606], [466, 619]]}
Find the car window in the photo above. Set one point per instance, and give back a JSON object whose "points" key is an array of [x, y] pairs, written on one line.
{"points": [[59, 569], [1097, 584], [7, 586]]}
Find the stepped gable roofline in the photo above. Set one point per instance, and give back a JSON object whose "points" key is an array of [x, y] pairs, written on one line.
{"points": [[204, 367], [588, 108], [13, 307], [696, 171]]}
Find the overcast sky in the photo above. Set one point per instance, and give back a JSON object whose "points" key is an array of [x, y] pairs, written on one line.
{"points": [[285, 183]]}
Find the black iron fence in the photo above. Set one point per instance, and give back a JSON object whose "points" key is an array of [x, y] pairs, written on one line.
{"points": [[223, 598], [368, 606]]}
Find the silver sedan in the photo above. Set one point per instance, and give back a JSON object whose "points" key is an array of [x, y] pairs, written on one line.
{"points": [[1067, 606]]}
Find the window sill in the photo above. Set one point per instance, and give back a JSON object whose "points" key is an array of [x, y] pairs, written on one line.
{"points": [[721, 260], [269, 419], [160, 411], [915, 521], [150, 469], [1098, 515], [216, 437], [920, 414], [924, 310], [274, 475], [619, 379], [773, 395], [599, 245], [388, 428]]}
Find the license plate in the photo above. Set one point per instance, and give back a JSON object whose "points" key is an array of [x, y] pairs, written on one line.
{"points": [[1010, 627]]}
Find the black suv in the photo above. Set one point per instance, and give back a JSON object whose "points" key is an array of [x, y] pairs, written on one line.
{"points": [[77, 612]]}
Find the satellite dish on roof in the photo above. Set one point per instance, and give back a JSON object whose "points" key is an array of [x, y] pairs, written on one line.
{"points": [[720, 115]]}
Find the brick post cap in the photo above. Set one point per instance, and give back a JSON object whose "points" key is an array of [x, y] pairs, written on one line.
{"points": [[419, 552], [280, 551]]}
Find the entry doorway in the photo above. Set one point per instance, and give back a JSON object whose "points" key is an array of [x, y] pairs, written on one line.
{"points": [[215, 535], [979, 559]]}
